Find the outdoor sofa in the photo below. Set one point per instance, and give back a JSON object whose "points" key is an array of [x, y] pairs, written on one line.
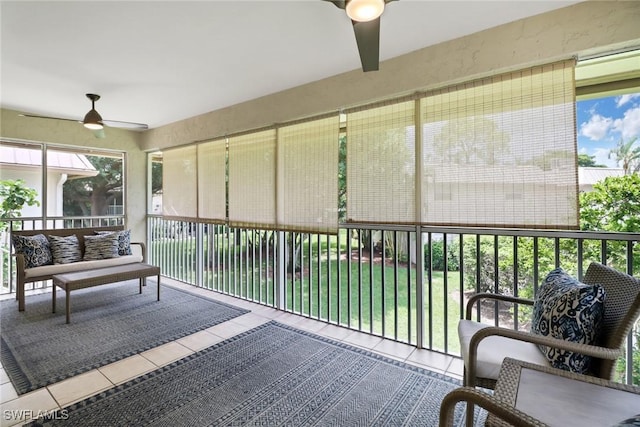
{"points": [[41, 254]]}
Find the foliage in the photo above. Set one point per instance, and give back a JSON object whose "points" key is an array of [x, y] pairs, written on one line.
{"points": [[621, 365], [613, 205], [342, 179], [471, 140], [91, 196], [156, 177], [552, 158], [15, 194], [627, 154], [437, 256], [585, 160]]}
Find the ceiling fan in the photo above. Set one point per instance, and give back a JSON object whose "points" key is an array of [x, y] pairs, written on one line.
{"points": [[365, 16], [93, 120]]}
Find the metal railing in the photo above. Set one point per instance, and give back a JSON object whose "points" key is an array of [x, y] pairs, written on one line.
{"points": [[408, 284]]}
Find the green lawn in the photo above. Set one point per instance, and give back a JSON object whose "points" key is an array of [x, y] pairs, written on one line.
{"points": [[369, 288], [310, 293]]}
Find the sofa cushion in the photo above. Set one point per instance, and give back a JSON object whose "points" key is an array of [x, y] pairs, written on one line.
{"points": [[102, 246], [493, 349], [124, 241], [65, 249], [50, 270], [569, 310], [35, 249]]}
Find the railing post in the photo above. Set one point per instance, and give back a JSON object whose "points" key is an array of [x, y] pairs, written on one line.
{"points": [[281, 273], [629, 349], [420, 289]]}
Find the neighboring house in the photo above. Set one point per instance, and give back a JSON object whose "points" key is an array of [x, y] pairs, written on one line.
{"points": [[587, 176], [26, 164]]}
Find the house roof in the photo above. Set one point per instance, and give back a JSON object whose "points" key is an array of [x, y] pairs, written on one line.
{"points": [[591, 175], [59, 161]]}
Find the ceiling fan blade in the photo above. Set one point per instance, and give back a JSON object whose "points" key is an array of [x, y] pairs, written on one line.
{"points": [[368, 40], [35, 116], [125, 125], [110, 123]]}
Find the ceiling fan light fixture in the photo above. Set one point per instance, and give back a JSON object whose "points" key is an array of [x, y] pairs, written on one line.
{"points": [[364, 10], [93, 120]]}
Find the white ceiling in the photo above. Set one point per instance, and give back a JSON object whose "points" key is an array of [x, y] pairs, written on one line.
{"points": [[157, 62]]}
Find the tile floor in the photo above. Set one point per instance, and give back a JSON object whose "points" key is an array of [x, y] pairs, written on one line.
{"points": [[16, 410]]}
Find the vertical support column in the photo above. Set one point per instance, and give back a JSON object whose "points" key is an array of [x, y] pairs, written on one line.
{"points": [[44, 201], [199, 254], [629, 349], [281, 246], [281, 271], [419, 255]]}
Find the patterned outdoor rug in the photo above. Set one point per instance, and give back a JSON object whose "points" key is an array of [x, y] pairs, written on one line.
{"points": [[271, 375], [108, 323]]}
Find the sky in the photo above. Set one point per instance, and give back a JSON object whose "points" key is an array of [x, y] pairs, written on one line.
{"points": [[602, 122]]}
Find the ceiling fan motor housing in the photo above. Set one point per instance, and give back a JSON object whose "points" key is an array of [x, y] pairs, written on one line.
{"points": [[93, 120]]}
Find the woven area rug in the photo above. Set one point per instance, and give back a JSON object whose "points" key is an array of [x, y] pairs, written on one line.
{"points": [[273, 375], [108, 323]]}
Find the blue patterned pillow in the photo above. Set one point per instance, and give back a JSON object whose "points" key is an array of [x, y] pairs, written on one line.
{"points": [[65, 249], [567, 309], [35, 249], [102, 246], [124, 241]]}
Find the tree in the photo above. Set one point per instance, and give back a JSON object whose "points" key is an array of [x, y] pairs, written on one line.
{"points": [[627, 154], [342, 179], [15, 194], [471, 140], [585, 160], [156, 177], [613, 205], [91, 196]]}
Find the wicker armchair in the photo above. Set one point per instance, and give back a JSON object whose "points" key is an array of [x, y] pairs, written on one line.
{"points": [[503, 411], [485, 347]]}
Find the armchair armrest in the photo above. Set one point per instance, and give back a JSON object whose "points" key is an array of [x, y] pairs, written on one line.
{"points": [[499, 297], [144, 250], [586, 349], [495, 406]]}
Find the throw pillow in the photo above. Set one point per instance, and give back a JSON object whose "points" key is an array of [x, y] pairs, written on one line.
{"points": [[65, 249], [36, 249], [124, 241], [102, 246], [567, 309]]}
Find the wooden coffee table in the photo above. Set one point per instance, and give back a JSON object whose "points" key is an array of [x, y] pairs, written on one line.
{"points": [[101, 276], [561, 398]]}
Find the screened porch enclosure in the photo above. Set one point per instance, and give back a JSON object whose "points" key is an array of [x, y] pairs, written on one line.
{"points": [[385, 217], [386, 281]]}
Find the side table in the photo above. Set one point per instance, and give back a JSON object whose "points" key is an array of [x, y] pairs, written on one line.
{"points": [[562, 398]]}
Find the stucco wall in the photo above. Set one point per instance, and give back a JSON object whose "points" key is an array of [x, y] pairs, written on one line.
{"points": [[584, 28]]}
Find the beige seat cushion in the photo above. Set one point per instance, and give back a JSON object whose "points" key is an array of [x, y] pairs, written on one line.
{"points": [[50, 270], [492, 350]]}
